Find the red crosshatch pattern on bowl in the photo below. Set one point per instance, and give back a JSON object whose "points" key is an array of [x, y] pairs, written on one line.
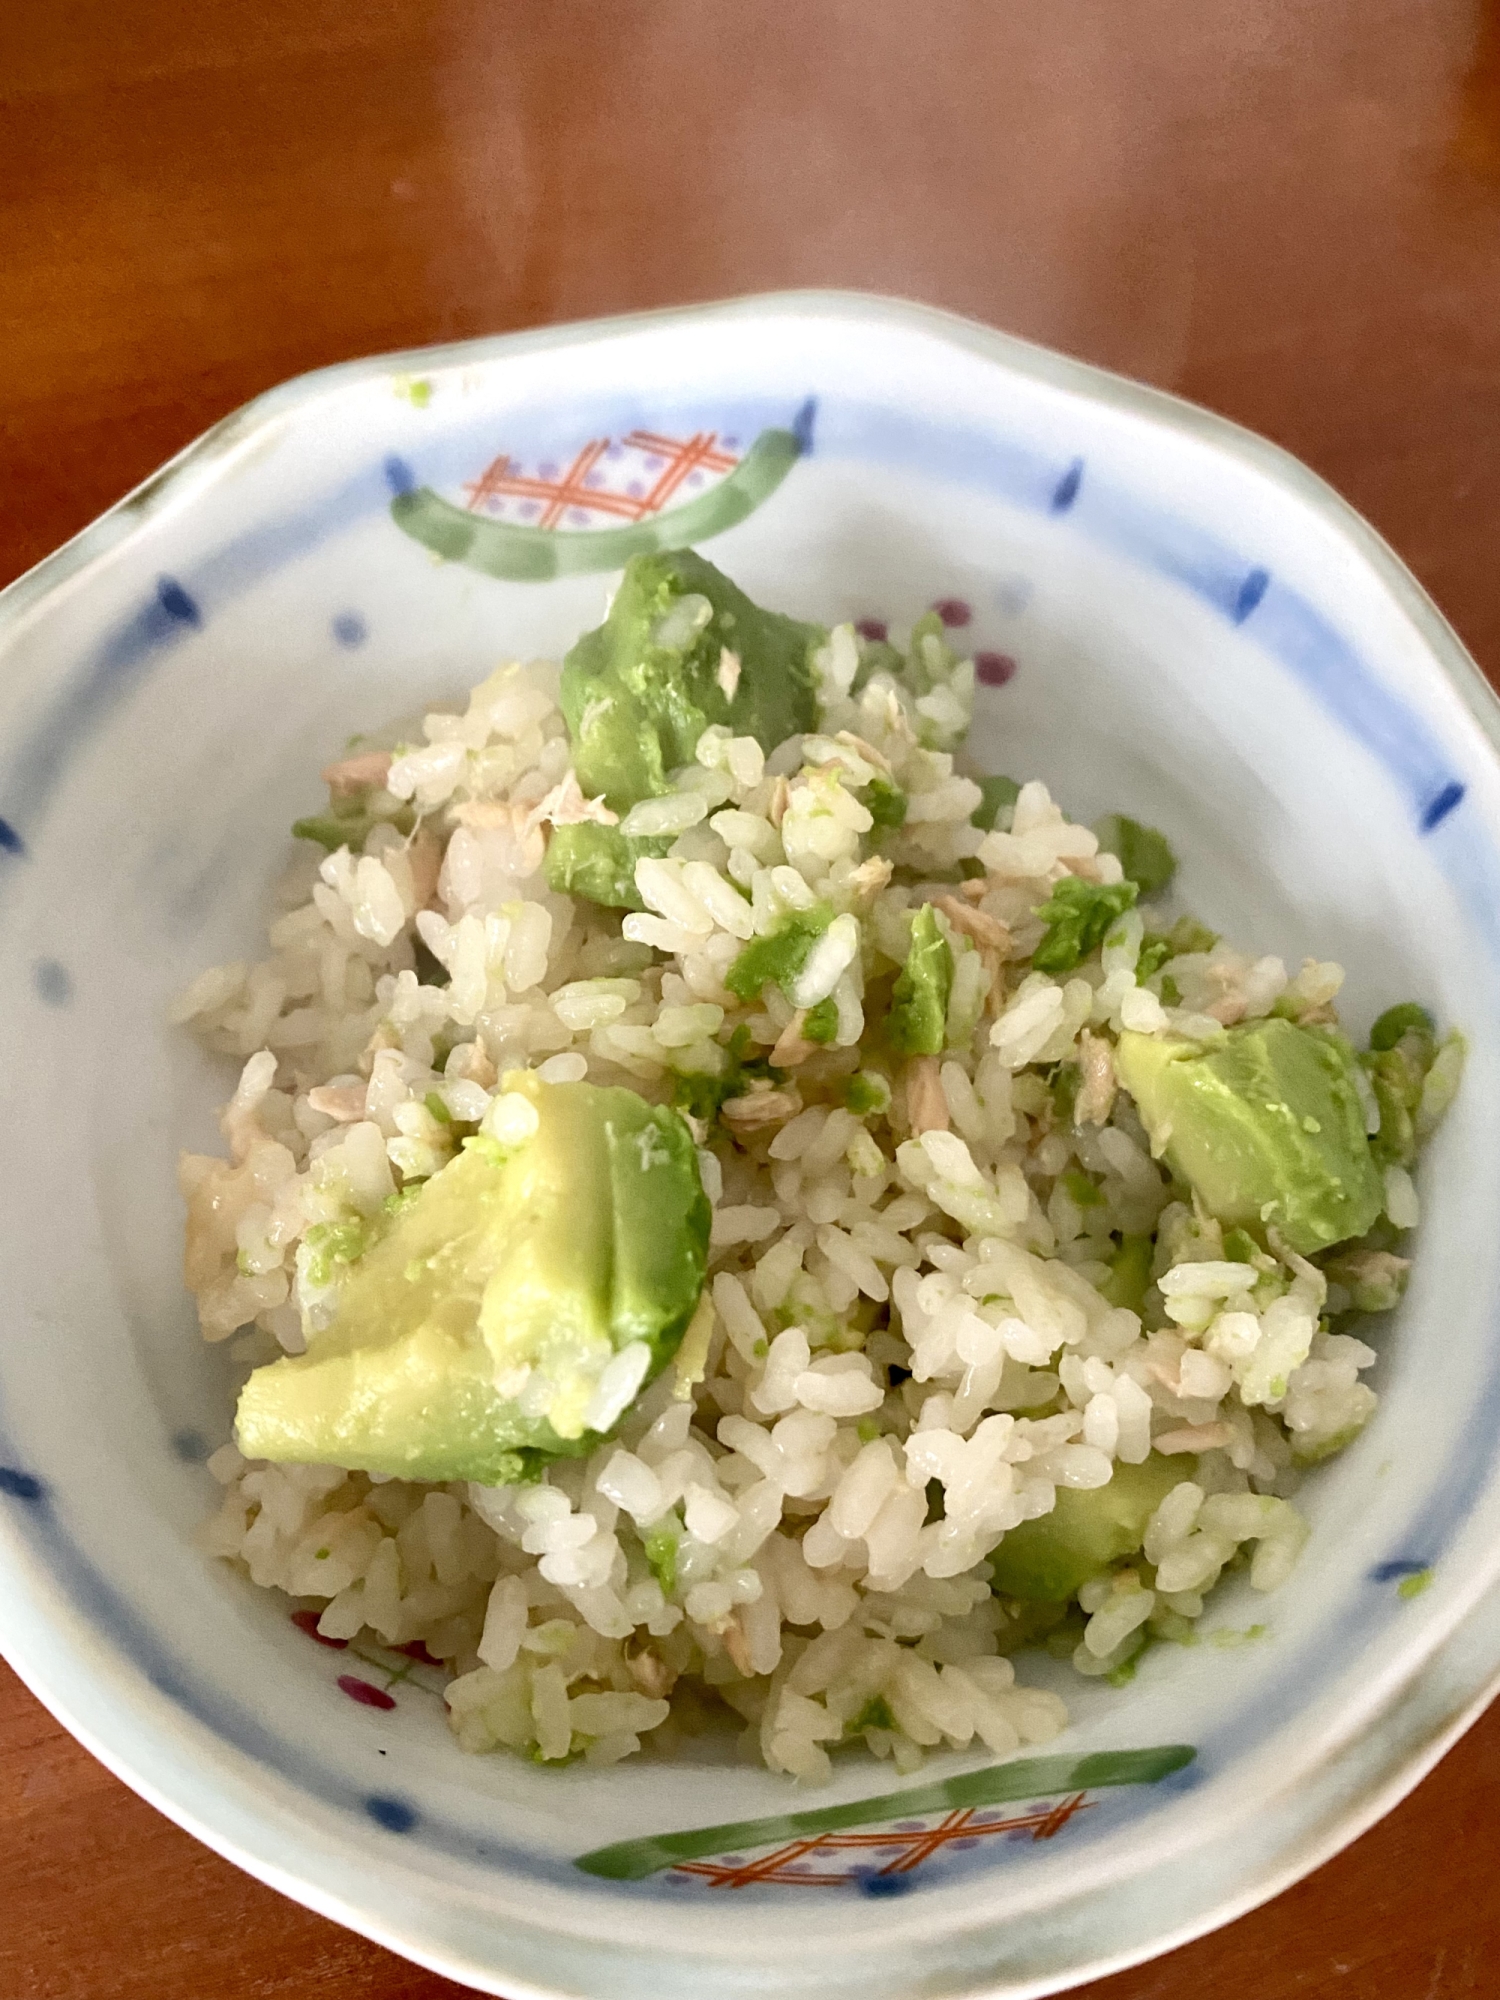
{"points": [[906, 1846], [604, 481]]}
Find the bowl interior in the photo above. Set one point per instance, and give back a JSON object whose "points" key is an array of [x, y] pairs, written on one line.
{"points": [[1168, 623]]}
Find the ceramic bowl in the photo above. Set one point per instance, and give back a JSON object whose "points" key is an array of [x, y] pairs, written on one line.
{"points": [[1171, 618]]}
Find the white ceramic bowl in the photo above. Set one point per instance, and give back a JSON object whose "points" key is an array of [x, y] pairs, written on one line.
{"points": [[1201, 634]]}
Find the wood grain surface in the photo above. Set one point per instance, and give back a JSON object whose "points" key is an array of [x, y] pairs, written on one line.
{"points": [[1286, 209]]}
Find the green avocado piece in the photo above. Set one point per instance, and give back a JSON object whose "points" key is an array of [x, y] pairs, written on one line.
{"points": [[1187, 934], [885, 803], [1409, 1018], [640, 689], [821, 1023], [1079, 916], [1047, 1560], [778, 957], [468, 1341], [1403, 1046], [997, 795], [1266, 1126], [1130, 1272], [919, 1000], [1144, 854], [349, 821], [598, 862]]}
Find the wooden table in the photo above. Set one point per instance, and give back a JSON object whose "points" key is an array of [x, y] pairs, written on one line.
{"points": [[1286, 209]]}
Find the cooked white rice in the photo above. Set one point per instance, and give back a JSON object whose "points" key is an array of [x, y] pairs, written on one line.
{"points": [[791, 1527]]}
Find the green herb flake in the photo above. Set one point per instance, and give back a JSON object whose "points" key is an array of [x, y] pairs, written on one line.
{"points": [[1227, 1637], [702, 1097], [1081, 1190], [1063, 1086], [1187, 934], [349, 819], [1395, 1022], [998, 795], [1078, 916], [885, 802], [661, 1552], [1129, 1272], [1154, 953], [704, 1093], [919, 1001], [1413, 1586], [867, 1094], [437, 1108], [1143, 853], [821, 1023]]}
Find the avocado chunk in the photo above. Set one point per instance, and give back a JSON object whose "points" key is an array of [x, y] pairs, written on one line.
{"points": [[515, 1305], [1047, 1560], [681, 648], [1079, 916], [1403, 1048], [598, 862], [919, 999], [1265, 1125], [777, 958]]}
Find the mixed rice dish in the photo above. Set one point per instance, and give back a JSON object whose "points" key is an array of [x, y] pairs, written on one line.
{"points": [[733, 1220]]}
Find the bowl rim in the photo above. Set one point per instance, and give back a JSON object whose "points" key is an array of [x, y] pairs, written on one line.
{"points": [[1311, 1840], [200, 458]]}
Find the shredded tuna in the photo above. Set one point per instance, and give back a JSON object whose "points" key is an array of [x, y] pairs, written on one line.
{"points": [[481, 814], [736, 1645], [424, 857], [651, 1673], [1193, 1437], [565, 805], [384, 1037], [977, 924], [470, 1063], [868, 879], [866, 750], [926, 1101], [761, 1110], [357, 774], [792, 1047], [342, 1102]]}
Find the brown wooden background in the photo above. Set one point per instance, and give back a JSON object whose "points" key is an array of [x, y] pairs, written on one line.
{"points": [[1286, 209]]}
